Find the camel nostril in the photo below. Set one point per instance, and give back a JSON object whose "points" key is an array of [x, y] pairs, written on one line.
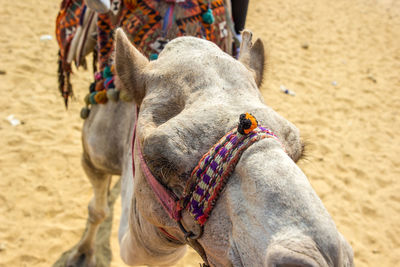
{"points": [[292, 265], [301, 256], [291, 259]]}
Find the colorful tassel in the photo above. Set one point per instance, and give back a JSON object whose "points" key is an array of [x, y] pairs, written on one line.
{"points": [[98, 76], [101, 97], [92, 99], [87, 99], [99, 86], [113, 94], [92, 87], [109, 83], [124, 96], [153, 56], [208, 16], [85, 112], [247, 123], [107, 72]]}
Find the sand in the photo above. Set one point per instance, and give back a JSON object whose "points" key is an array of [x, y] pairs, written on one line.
{"points": [[341, 58]]}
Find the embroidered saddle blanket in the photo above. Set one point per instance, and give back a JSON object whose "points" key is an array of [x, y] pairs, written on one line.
{"points": [[149, 24]]}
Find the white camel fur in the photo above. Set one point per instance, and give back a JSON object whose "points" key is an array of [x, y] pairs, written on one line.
{"points": [[268, 214]]}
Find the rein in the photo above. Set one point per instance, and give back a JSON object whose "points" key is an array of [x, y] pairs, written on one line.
{"points": [[208, 178]]}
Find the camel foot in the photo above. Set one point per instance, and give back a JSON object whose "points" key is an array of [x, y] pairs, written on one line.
{"points": [[81, 259]]}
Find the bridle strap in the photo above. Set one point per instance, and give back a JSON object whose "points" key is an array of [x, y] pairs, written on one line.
{"points": [[213, 171], [166, 197]]}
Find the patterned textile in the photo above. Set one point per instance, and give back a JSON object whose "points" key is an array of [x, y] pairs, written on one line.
{"points": [[152, 23], [149, 24], [66, 25], [212, 173]]}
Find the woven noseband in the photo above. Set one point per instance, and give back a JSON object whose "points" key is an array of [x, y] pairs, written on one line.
{"points": [[212, 172]]}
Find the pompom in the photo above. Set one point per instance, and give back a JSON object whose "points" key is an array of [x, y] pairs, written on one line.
{"points": [[92, 87], [208, 16], [101, 97], [92, 99], [247, 123], [107, 72], [85, 112], [98, 76], [153, 56], [125, 96], [113, 94], [99, 86], [109, 82], [87, 99]]}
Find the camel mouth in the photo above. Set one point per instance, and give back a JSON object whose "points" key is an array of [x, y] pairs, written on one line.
{"points": [[237, 259]]}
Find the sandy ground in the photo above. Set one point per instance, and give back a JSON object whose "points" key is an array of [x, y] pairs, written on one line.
{"points": [[341, 58]]}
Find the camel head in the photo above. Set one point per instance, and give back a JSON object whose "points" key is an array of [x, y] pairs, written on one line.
{"points": [[192, 95]]}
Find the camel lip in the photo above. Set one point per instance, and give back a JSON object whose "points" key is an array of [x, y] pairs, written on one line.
{"points": [[237, 260]]}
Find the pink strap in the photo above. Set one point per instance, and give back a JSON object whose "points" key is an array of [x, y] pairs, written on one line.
{"points": [[133, 141], [165, 196], [168, 234]]}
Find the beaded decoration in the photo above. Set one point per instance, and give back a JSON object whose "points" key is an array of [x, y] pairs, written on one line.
{"points": [[212, 173]]}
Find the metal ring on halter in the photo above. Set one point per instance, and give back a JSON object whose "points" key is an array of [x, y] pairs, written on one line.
{"points": [[190, 234]]}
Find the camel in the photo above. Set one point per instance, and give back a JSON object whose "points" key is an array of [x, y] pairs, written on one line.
{"points": [[183, 103]]}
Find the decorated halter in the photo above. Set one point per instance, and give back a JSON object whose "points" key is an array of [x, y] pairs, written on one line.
{"points": [[208, 178], [211, 174]]}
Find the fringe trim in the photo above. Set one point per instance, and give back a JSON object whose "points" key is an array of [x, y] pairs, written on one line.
{"points": [[64, 81]]}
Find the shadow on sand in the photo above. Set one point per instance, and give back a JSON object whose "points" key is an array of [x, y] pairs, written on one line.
{"points": [[103, 250]]}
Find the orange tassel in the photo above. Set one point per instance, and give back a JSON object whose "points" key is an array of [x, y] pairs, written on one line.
{"points": [[101, 97], [99, 86], [254, 123]]}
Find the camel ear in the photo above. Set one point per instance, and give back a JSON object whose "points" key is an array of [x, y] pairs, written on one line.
{"points": [[252, 56], [131, 67]]}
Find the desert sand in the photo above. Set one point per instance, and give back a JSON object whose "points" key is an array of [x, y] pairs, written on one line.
{"points": [[340, 58]]}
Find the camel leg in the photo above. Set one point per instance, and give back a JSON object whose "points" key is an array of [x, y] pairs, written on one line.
{"points": [[98, 210]]}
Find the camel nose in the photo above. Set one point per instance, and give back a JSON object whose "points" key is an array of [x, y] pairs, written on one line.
{"points": [[282, 256], [292, 261]]}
